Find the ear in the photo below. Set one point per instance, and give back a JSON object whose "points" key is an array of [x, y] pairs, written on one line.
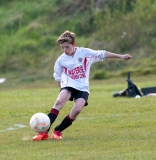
{"points": [[74, 44]]}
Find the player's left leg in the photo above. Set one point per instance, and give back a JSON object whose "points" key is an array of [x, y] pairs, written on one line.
{"points": [[67, 121], [62, 98]]}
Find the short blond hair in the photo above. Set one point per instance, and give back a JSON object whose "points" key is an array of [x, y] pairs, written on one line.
{"points": [[66, 36]]}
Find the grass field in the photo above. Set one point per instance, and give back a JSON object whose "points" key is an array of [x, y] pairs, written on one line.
{"points": [[108, 129]]}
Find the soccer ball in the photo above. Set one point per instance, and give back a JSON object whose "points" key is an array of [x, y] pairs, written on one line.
{"points": [[137, 96], [39, 122]]}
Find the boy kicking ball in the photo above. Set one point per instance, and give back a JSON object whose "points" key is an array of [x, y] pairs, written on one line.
{"points": [[71, 71]]}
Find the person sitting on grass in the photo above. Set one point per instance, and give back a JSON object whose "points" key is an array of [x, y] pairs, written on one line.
{"points": [[71, 71]]}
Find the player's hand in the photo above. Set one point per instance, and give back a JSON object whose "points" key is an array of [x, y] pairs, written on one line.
{"points": [[126, 57]]}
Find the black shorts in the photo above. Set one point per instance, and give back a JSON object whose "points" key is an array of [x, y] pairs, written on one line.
{"points": [[75, 94]]}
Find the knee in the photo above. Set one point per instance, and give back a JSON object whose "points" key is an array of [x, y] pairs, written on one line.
{"points": [[59, 102]]}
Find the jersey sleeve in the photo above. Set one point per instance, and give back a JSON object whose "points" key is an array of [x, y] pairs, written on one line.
{"points": [[95, 55], [57, 71]]}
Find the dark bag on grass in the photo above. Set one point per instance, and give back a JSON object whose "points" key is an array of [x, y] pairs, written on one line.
{"points": [[131, 91]]}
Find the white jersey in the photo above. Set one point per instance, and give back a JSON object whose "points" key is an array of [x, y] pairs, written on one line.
{"points": [[73, 71]]}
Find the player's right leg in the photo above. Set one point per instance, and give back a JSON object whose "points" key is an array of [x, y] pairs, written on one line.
{"points": [[67, 121], [62, 98]]}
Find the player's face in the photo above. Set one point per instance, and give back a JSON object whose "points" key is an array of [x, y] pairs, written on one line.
{"points": [[68, 48]]}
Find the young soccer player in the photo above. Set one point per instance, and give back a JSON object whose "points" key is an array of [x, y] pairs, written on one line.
{"points": [[71, 71]]}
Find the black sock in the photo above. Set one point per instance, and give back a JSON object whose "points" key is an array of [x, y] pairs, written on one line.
{"points": [[52, 116], [64, 124]]}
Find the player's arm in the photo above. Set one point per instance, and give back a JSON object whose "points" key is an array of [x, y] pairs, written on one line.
{"points": [[57, 72], [114, 55], [59, 84]]}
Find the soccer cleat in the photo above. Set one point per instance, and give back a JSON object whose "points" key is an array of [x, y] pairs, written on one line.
{"points": [[40, 136], [56, 135]]}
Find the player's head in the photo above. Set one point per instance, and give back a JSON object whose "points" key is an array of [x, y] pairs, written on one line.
{"points": [[67, 42], [67, 36]]}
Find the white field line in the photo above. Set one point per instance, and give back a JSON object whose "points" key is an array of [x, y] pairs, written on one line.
{"points": [[15, 126], [110, 116], [18, 126]]}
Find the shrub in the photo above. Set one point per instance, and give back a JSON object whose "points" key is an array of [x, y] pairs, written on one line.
{"points": [[101, 74]]}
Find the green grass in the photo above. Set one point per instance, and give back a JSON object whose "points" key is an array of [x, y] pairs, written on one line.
{"points": [[108, 129]]}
